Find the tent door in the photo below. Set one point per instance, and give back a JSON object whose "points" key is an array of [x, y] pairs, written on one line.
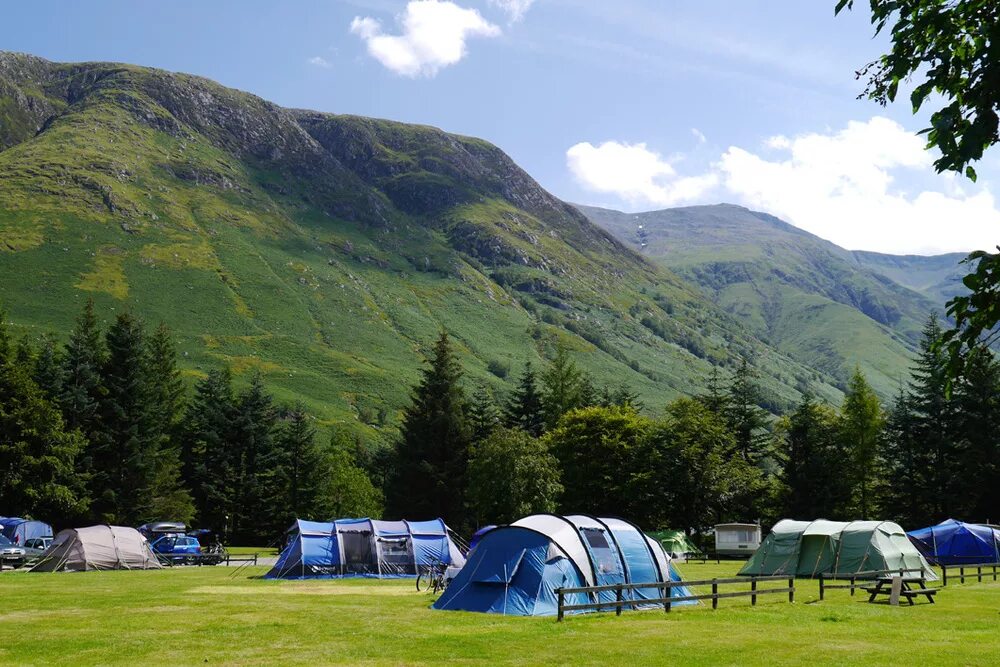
{"points": [[359, 552], [396, 555]]}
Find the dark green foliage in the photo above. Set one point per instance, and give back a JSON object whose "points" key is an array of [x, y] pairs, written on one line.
{"points": [[563, 387], [977, 402], [433, 452], [696, 483], [748, 421], [484, 414], [302, 466], [862, 423], [345, 489], [816, 470], [49, 372], [524, 409], [511, 475], [82, 390], [37, 454], [257, 484], [604, 457]]}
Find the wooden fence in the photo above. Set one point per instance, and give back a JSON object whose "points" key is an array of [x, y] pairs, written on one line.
{"points": [[979, 567], [665, 588]]}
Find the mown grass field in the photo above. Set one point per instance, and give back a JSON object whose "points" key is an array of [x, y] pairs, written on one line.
{"points": [[206, 615]]}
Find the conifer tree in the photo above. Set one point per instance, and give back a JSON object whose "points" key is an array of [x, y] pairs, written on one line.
{"points": [[862, 422], [905, 463], [432, 456], [49, 370], [258, 483], [815, 468], [24, 355], [977, 398], [562, 387], [524, 409], [82, 389], [716, 396], [210, 451], [484, 415], [745, 417], [302, 467]]}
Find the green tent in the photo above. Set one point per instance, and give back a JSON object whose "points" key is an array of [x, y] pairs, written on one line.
{"points": [[808, 548], [675, 542]]}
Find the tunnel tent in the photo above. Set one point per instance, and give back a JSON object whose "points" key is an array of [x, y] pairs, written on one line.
{"points": [[810, 548], [954, 542], [19, 530], [365, 548], [516, 569], [97, 548]]}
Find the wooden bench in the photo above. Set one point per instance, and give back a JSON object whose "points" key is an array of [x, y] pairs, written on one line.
{"points": [[883, 586]]}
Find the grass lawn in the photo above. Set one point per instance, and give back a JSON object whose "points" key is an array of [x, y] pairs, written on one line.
{"points": [[249, 551], [185, 616]]}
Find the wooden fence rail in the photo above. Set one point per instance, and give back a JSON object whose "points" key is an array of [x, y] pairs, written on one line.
{"points": [[961, 571], [864, 577], [665, 588]]}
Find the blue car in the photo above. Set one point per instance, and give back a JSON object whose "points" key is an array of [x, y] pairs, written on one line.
{"points": [[177, 548]]}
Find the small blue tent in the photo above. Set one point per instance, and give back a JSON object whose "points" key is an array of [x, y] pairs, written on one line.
{"points": [[19, 530], [516, 569], [365, 548], [954, 542]]}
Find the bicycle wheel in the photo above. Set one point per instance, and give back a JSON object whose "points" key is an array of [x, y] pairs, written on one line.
{"points": [[421, 577]]}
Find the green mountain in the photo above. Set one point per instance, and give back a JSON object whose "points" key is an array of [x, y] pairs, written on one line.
{"points": [[812, 300], [938, 277], [327, 251]]}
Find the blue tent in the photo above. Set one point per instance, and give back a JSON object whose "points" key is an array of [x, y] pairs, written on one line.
{"points": [[516, 569], [19, 530], [954, 542], [478, 535], [365, 548]]}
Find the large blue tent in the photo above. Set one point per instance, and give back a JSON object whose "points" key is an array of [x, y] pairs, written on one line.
{"points": [[516, 569], [954, 542], [19, 530], [365, 548]]}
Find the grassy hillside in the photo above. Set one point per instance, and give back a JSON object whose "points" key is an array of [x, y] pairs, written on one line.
{"points": [[814, 301], [326, 251], [938, 277]]}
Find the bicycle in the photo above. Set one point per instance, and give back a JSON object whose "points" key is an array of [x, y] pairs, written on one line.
{"points": [[433, 577]]}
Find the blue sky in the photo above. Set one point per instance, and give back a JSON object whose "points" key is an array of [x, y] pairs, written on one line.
{"points": [[631, 104]]}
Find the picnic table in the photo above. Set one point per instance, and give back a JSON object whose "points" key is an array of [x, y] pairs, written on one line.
{"points": [[886, 585]]}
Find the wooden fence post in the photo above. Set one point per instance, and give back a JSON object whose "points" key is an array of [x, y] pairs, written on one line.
{"points": [[944, 573], [979, 573], [791, 589], [618, 599], [961, 574], [559, 593], [822, 591], [715, 594], [853, 579], [753, 588], [669, 592]]}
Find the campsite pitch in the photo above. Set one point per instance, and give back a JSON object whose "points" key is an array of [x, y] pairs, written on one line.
{"points": [[205, 615]]}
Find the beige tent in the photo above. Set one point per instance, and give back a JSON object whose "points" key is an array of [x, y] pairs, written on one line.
{"points": [[97, 548]]}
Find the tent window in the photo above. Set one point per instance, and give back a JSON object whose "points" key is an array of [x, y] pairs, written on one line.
{"points": [[596, 539], [604, 558], [397, 556], [358, 553]]}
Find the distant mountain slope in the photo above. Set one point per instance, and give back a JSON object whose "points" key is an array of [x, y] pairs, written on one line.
{"points": [[327, 251], [816, 302], [938, 277]]}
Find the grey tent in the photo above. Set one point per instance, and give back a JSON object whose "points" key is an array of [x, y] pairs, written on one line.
{"points": [[97, 548]]}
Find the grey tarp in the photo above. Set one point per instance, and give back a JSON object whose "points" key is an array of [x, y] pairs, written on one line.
{"points": [[97, 548]]}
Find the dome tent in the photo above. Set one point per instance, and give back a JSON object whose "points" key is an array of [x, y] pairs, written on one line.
{"points": [[810, 548], [97, 548], [516, 569], [365, 548], [954, 542], [19, 530], [675, 543]]}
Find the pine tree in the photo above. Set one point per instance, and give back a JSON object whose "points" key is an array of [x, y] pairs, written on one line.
{"points": [[302, 464], [862, 424], [5, 344], [745, 417], [484, 415], [49, 371], [82, 389], [524, 410], [716, 397], [815, 470], [433, 453], [905, 462], [123, 451], [562, 387], [24, 355], [977, 398], [258, 484], [170, 499], [210, 451]]}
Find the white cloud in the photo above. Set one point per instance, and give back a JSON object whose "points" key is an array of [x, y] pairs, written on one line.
{"points": [[433, 36], [320, 61], [516, 9], [634, 173], [699, 135], [842, 186]]}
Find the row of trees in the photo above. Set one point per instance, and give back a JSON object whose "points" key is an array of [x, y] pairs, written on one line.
{"points": [[103, 429], [555, 445]]}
